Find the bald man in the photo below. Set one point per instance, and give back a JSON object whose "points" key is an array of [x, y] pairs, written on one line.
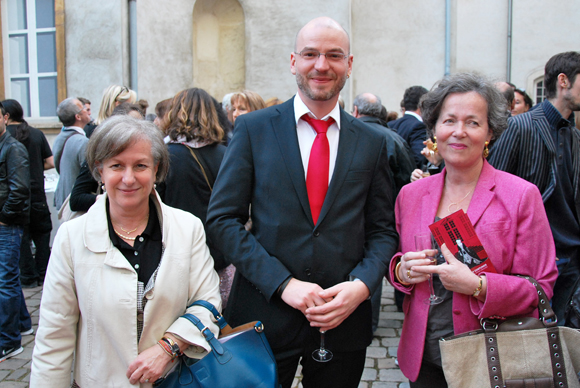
{"points": [[323, 230]]}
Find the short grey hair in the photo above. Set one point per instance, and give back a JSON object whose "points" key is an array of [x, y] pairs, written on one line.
{"points": [[432, 102], [67, 110], [227, 102], [116, 134], [366, 107]]}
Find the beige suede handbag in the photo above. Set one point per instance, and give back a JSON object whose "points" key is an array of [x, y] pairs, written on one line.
{"points": [[521, 352]]}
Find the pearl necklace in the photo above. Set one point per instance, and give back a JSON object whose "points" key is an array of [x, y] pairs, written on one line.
{"points": [[125, 237], [128, 231]]}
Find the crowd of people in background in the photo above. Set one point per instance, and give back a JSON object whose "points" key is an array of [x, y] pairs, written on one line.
{"points": [[196, 201]]}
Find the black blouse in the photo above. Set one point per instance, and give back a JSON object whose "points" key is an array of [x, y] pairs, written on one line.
{"points": [[145, 255]]}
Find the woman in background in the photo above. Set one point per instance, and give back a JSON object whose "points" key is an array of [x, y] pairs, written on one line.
{"points": [[246, 102], [523, 102], [196, 153], [113, 96]]}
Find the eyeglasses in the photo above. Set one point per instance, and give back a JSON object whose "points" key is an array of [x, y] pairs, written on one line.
{"points": [[313, 55], [124, 89]]}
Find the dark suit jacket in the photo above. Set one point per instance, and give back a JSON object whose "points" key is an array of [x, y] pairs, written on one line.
{"points": [[401, 160], [526, 149], [355, 235], [415, 133]]}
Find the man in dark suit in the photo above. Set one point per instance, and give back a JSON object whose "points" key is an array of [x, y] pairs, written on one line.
{"points": [[323, 223], [542, 146], [410, 127], [367, 108]]}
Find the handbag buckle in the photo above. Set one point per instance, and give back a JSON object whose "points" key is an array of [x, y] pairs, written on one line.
{"points": [[259, 327], [488, 325]]}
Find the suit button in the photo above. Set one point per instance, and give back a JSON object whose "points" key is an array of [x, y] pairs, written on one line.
{"points": [[316, 233], [308, 272]]}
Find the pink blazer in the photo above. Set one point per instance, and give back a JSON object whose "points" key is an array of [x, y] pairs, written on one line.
{"points": [[510, 220]]}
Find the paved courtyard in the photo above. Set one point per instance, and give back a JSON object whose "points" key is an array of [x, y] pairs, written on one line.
{"points": [[380, 369]]}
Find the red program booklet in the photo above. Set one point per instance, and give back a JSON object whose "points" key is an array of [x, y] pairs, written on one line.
{"points": [[457, 232]]}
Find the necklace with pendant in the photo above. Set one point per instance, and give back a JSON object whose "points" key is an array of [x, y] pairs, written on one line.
{"points": [[456, 204]]}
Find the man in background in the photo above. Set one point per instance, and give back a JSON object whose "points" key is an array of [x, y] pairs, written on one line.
{"points": [[14, 213]]}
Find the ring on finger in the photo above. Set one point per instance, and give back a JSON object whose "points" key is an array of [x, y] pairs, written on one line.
{"points": [[409, 274], [146, 380]]}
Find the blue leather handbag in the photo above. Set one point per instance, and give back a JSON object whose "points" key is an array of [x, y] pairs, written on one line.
{"points": [[241, 357]]}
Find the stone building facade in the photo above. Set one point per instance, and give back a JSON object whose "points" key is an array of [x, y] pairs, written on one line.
{"points": [[161, 47]]}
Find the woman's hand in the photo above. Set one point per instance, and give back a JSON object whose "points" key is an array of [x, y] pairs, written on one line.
{"points": [[416, 175], [455, 275], [431, 156], [411, 262], [148, 366]]}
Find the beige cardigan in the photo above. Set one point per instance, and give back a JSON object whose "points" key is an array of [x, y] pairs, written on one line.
{"points": [[89, 301]]}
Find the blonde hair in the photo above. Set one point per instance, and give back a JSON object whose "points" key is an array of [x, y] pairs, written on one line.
{"points": [[113, 96], [252, 100]]}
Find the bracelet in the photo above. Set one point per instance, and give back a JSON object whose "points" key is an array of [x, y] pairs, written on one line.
{"points": [[173, 346], [397, 274], [165, 348], [478, 289]]}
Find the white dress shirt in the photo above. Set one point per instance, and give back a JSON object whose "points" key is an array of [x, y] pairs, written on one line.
{"points": [[307, 134]]}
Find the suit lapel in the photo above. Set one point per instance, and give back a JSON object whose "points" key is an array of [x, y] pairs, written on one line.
{"points": [[347, 144], [483, 193], [539, 117], [430, 201], [284, 127]]}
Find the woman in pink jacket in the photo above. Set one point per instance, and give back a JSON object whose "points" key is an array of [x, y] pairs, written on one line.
{"points": [[463, 113]]}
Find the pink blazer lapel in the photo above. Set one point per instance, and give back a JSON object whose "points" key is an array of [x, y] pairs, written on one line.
{"points": [[483, 193], [430, 202]]}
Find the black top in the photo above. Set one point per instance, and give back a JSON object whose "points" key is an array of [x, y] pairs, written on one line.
{"points": [[145, 255], [185, 187], [560, 207], [38, 150], [440, 321], [83, 196]]}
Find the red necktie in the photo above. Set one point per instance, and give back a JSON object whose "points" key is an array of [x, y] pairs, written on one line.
{"points": [[318, 165]]}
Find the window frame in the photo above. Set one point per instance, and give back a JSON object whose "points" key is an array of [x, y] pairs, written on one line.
{"points": [[5, 91]]}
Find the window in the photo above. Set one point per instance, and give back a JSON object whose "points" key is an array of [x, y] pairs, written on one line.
{"points": [[32, 61], [540, 90]]}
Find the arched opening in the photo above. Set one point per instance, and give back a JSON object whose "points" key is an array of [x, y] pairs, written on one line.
{"points": [[218, 46]]}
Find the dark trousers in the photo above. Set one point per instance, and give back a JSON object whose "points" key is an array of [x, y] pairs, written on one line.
{"points": [[376, 306], [13, 313], [430, 376], [568, 273], [33, 268], [344, 370]]}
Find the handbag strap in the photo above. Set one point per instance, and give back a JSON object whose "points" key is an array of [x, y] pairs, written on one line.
{"points": [[221, 321], [57, 160], [544, 308], [553, 335], [219, 351], [200, 166]]}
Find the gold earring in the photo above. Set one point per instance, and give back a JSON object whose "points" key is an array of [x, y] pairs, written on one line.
{"points": [[435, 144], [486, 150]]}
